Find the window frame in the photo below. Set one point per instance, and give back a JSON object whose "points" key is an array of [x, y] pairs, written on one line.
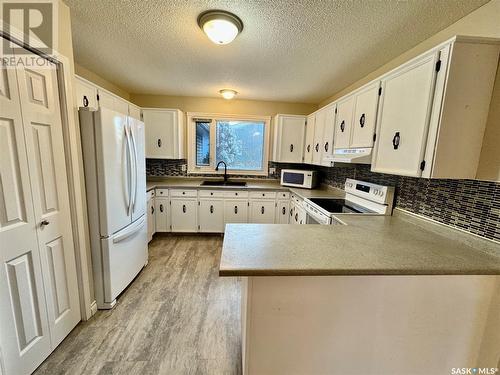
{"points": [[214, 117]]}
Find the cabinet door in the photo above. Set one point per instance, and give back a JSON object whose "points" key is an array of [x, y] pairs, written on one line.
{"points": [[262, 211], [211, 216], [161, 133], [162, 214], [301, 215], [328, 134], [110, 101], [86, 94], [235, 211], [151, 218], [403, 120], [309, 143], [319, 127], [283, 212], [343, 123], [183, 215], [134, 111], [365, 116], [290, 138]]}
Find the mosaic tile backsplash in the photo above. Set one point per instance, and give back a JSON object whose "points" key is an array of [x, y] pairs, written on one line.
{"points": [[471, 205]]}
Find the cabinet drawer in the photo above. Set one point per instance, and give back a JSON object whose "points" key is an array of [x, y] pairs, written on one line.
{"points": [[296, 199], [263, 195], [150, 194], [236, 194], [211, 194], [283, 195], [161, 192], [183, 193]]}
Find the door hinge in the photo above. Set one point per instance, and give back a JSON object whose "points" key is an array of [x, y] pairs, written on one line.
{"points": [[374, 136], [306, 123], [142, 116], [97, 97], [379, 91], [335, 110], [248, 204], [198, 203], [438, 65], [198, 227], [422, 165]]}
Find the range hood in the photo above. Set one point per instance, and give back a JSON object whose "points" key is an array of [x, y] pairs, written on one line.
{"points": [[352, 155]]}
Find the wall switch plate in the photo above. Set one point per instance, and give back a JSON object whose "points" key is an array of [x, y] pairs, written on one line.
{"points": [[184, 167], [272, 170]]}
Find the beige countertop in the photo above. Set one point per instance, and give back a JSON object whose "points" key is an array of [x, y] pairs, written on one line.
{"points": [[252, 184], [368, 245]]}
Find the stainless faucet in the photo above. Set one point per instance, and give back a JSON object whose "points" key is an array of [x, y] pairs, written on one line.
{"points": [[225, 169]]}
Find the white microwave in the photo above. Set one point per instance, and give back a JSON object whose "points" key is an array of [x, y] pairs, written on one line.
{"points": [[299, 178]]}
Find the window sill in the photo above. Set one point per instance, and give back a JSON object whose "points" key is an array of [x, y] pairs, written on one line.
{"points": [[229, 173]]}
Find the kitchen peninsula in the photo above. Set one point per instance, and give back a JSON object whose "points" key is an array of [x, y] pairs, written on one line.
{"points": [[377, 295]]}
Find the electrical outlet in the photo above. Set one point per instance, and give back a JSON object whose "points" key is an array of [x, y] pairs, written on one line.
{"points": [[272, 170], [184, 167]]}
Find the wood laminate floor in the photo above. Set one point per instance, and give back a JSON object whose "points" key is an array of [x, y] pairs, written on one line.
{"points": [[177, 317]]}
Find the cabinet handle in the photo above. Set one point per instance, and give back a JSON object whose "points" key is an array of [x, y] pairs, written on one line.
{"points": [[342, 126], [85, 101], [152, 209], [291, 148], [291, 211], [184, 208], [362, 120], [235, 209], [308, 148], [326, 146], [159, 142], [211, 209], [161, 207], [317, 147], [396, 140], [296, 217], [283, 211], [262, 210]]}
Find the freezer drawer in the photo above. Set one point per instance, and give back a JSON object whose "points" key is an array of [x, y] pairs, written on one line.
{"points": [[124, 255]]}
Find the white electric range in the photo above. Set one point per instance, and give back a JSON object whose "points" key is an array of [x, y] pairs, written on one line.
{"points": [[361, 198]]}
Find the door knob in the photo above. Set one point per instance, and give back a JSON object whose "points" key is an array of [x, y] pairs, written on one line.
{"points": [[44, 223]]}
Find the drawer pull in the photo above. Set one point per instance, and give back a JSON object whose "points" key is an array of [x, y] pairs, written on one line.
{"points": [[396, 140], [212, 209], [291, 147], [159, 142], [317, 147], [283, 211], [161, 207], [262, 210], [326, 146], [85, 101], [184, 208], [235, 209], [342, 126], [362, 120]]}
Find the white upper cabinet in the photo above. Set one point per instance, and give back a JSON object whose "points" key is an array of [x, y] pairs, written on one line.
{"points": [[289, 134], [165, 133], [365, 116], [328, 134], [433, 111], [343, 123], [134, 111], [319, 127], [86, 93], [309, 141], [111, 101]]}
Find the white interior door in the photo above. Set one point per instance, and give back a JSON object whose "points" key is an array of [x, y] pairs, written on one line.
{"points": [[114, 170], [44, 142], [24, 331], [403, 120], [139, 198]]}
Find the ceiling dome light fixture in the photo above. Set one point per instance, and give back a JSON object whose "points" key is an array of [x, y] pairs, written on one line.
{"points": [[228, 93], [220, 26]]}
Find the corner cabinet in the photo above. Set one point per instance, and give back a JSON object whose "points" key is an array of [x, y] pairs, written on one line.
{"points": [[165, 133], [433, 111], [289, 134]]}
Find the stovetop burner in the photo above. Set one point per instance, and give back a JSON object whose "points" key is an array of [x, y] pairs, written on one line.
{"points": [[338, 205]]}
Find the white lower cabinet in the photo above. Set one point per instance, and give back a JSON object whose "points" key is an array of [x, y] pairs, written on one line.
{"points": [[211, 216], [150, 205], [162, 214], [262, 211], [235, 211], [184, 216], [282, 212]]}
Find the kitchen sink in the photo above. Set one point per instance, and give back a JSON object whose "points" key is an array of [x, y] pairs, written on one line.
{"points": [[223, 183]]}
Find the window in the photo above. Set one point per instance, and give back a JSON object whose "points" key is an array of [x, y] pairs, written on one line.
{"points": [[242, 143]]}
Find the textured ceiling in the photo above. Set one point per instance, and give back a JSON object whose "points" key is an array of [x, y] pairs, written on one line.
{"points": [[289, 50]]}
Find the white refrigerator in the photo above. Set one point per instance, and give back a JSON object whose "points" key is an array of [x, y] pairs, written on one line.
{"points": [[115, 180]]}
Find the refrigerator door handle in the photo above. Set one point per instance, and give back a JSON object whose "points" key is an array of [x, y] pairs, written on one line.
{"points": [[136, 172], [133, 228], [129, 171]]}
